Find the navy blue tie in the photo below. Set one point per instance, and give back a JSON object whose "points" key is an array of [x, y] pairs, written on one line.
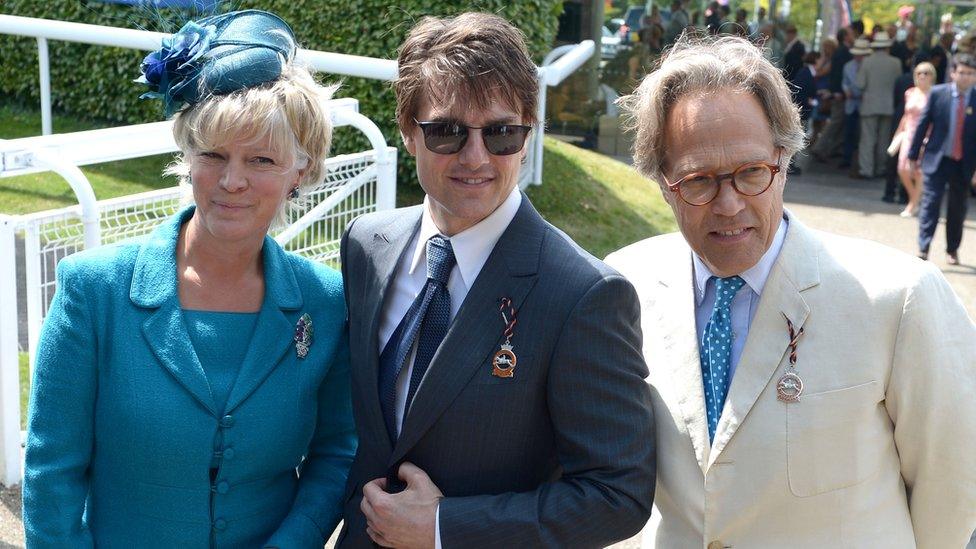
{"points": [[428, 316]]}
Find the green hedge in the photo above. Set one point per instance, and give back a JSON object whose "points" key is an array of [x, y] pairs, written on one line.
{"points": [[96, 81]]}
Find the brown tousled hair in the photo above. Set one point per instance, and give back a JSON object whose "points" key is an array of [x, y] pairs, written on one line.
{"points": [[475, 58]]}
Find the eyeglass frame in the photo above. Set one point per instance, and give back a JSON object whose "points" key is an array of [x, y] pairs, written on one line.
{"points": [[774, 169], [464, 143]]}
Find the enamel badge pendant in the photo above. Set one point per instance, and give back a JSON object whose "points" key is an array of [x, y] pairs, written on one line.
{"points": [[303, 335], [504, 361], [790, 386]]}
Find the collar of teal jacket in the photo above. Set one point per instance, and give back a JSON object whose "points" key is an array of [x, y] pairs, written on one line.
{"points": [[154, 277]]}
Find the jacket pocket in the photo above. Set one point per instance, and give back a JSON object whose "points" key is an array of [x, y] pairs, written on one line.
{"points": [[834, 439]]}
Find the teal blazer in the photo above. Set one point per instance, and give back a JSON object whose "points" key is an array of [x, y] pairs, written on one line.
{"points": [[123, 431]]}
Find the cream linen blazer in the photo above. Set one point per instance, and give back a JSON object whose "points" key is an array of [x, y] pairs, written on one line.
{"points": [[880, 450]]}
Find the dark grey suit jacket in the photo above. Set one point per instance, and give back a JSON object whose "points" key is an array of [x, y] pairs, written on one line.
{"points": [[560, 455]]}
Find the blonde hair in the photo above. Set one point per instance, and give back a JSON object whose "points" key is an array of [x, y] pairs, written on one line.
{"points": [[288, 113], [925, 65], [707, 65]]}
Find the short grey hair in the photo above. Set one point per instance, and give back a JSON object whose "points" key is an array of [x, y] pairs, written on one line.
{"points": [[705, 65]]}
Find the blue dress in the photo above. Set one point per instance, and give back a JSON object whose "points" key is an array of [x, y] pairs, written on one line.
{"points": [[220, 341], [133, 441]]}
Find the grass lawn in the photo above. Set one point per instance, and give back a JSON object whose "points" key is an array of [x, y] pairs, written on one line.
{"points": [[46, 190], [24, 389], [601, 203]]}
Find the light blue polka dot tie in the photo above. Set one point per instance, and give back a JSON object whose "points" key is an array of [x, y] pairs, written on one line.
{"points": [[716, 350]]}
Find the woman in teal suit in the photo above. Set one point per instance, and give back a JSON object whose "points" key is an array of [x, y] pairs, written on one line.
{"points": [[192, 389]]}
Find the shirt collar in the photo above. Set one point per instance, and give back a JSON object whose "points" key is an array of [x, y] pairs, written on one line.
{"points": [[473, 245], [754, 276], [955, 92]]}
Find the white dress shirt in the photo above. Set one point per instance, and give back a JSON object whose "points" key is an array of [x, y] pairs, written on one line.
{"points": [[472, 247], [746, 300]]}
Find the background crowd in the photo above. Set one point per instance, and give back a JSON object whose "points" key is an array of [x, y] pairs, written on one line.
{"points": [[861, 92]]}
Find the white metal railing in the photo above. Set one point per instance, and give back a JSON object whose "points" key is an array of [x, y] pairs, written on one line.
{"points": [[556, 66], [353, 184], [9, 358], [553, 70]]}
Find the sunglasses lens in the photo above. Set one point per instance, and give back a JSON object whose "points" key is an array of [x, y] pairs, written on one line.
{"points": [[444, 137], [504, 139]]}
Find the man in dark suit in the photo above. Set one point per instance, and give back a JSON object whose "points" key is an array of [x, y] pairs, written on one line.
{"points": [[805, 87], [793, 54], [498, 382], [950, 156], [941, 56]]}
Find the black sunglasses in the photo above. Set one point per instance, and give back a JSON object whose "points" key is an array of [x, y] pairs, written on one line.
{"points": [[451, 137]]}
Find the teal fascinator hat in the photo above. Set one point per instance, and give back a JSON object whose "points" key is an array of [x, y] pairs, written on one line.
{"points": [[217, 55]]}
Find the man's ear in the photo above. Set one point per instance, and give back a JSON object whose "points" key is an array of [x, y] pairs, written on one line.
{"points": [[408, 141]]}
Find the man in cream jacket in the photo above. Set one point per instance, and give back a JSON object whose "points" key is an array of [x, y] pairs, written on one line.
{"points": [[809, 390]]}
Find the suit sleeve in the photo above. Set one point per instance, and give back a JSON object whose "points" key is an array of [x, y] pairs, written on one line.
{"points": [[922, 130], [930, 402], [322, 476], [600, 409], [60, 428]]}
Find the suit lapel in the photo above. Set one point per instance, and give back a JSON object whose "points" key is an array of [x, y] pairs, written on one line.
{"points": [[154, 287], [476, 332], [795, 270], [273, 333], [385, 248], [165, 333], [675, 310], [968, 116]]}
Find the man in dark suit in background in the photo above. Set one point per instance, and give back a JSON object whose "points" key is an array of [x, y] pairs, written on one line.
{"points": [[498, 380], [941, 56], [950, 156], [793, 54]]}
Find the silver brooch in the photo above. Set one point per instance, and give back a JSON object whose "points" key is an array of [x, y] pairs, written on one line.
{"points": [[303, 335]]}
